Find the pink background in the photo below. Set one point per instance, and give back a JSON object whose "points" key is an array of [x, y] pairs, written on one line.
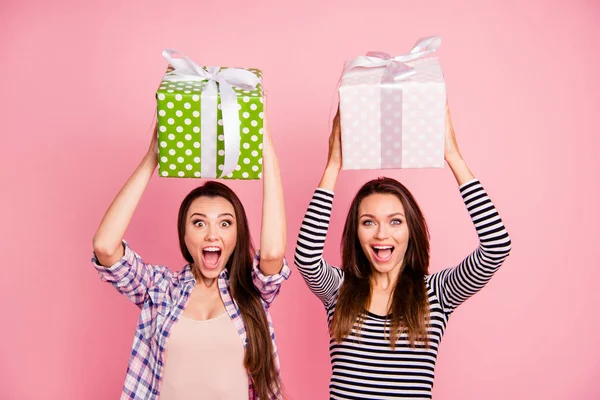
{"points": [[78, 80]]}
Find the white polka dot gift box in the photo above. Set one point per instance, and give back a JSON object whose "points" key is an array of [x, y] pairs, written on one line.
{"points": [[392, 110], [210, 121]]}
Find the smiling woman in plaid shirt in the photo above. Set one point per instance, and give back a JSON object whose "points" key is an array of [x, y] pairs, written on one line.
{"points": [[205, 331]]}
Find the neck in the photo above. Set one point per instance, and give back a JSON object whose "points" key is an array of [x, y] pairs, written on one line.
{"points": [[209, 283], [385, 280], [201, 280]]}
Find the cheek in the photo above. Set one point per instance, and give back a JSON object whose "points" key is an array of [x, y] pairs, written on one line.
{"points": [[230, 239], [364, 237], [401, 236], [190, 245], [192, 239]]}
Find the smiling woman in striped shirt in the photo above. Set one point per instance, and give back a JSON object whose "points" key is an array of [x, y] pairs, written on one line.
{"points": [[386, 313], [204, 331]]}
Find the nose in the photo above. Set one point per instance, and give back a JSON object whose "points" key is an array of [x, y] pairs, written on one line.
{"points": [[381, 232], [211, 233]]}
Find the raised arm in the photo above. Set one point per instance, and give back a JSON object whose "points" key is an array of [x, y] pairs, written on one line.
{"points": [[455, 161], [455, 285], [108, 239], [273, 229], [322, 279], [114, 260], [334, 158]]}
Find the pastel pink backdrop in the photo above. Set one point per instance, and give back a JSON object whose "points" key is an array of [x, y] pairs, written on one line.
{"points": [[78, 80]]}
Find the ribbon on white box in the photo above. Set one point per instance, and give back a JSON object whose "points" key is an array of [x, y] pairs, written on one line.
{"points": [[395, 66], [184, 69], [396, 70]]}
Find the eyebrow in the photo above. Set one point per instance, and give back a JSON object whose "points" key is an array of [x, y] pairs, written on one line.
{"points": [[220, 215], [389, 215]]}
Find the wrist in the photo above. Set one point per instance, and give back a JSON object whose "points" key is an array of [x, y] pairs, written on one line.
{"points": [[150, 159]]}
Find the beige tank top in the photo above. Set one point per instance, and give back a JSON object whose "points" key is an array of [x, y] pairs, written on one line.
{"points": [[204, 360]]}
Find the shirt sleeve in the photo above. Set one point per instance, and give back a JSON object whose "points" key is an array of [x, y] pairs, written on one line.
{"points": [[323, 280], [268, 285], [455, 285], [131, 276]]}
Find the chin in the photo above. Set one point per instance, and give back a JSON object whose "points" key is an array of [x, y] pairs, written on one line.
{"points": [[384, 268], [211, 273]]}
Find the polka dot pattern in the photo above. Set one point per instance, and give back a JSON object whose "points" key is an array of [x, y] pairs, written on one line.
{"points": [[179, 133], [393, 125]]}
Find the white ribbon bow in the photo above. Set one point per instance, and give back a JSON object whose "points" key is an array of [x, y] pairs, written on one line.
{"points": [[187, 70], [396, 66]]}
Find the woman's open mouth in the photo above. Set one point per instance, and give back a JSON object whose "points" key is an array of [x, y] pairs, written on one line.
{"points": [[382, 253], [211, 256]]}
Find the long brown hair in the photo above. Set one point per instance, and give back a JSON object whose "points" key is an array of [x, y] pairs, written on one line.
{"points": [[258, 359], [410, 305]]}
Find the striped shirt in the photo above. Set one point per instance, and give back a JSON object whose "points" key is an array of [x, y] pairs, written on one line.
{"points": [[364, 366], [162, 296]]}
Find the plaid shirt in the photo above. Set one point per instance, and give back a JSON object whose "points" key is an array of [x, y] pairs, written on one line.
{"points": [[162, 295]]}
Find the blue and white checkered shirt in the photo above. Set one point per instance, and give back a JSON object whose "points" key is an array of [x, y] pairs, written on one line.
{"points": [[161, 295]]}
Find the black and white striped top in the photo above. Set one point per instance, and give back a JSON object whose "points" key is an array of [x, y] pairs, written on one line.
{"points": [[367, 367]]}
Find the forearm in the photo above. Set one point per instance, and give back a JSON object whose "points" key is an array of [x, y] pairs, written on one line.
{"points": [[108, 237], [273, 230], [329, 178], [459, 168]]}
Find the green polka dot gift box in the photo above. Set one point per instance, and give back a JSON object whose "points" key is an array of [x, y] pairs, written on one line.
{"points": [[210, 121]]}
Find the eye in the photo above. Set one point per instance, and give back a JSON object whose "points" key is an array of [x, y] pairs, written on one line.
{"points": [[199, 223], [396, 221], [225, 224], [368, 222]]}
